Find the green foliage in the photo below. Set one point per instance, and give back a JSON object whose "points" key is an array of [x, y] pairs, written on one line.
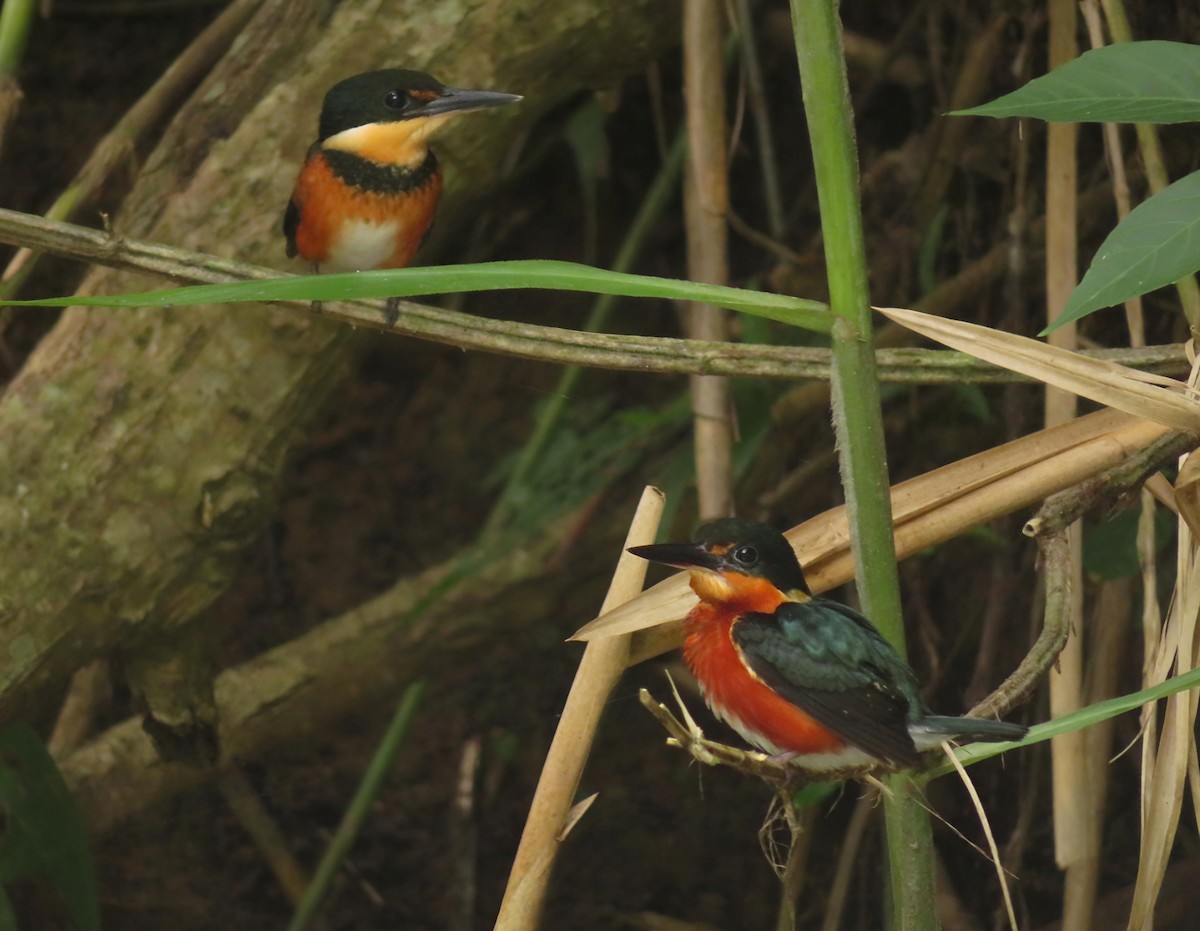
{"points": [[44, 833], [973, 400], [1110, 546], [1156, 245], [482, 276], [1130, 82], [586, 453], [1144, 82], [1075, 721], [815, 793]]}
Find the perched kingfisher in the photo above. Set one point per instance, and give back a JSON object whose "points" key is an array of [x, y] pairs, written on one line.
{"points": [[367, 192], [797, 676]]}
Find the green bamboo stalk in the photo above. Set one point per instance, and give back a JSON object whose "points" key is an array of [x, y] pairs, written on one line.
{"points": [[856, 414]]}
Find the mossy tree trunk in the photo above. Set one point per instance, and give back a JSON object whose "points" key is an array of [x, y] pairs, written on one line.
{"points": [[144, 448]]}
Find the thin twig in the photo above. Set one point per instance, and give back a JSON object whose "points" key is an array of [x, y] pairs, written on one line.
{"points": [[253, 816], [848, 858], [768, 164], [117, 147], [1110, 487], [1055, 629]]}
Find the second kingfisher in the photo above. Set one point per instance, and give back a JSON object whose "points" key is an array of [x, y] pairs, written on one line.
{"points": [[798, 676], [367, 192]]}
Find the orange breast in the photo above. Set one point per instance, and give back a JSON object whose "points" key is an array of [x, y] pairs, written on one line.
{"points": [[328, 207], [739, 698]]}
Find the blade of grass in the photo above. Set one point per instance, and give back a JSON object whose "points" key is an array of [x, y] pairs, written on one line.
{"points": [[530, 341], [481, 276], [1075, 721], [550, 413], [356, 812]]}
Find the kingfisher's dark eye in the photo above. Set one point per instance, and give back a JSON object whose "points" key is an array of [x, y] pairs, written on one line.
{"points": [[745, 555], [396, 100]]}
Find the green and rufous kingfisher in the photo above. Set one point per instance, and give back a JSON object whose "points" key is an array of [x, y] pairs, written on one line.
{"points": [[797, 676], [367, 192]]}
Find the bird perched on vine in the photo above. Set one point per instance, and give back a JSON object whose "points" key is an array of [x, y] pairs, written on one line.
{"points": [[369, 186], [797, 676]]}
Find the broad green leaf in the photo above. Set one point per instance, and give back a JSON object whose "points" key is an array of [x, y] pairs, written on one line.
{"points": [[43, 830], [1130, 82], [1156, 245], [483, 276]]}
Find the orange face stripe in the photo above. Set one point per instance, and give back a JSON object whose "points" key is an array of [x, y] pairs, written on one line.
{"points": [[735, 591]]}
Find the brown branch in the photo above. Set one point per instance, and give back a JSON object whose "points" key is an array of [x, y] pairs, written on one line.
{"points": [[300, 688], [526, 340], [1050, 642]]}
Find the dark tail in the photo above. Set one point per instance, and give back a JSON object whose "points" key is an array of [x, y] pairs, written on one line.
{"points": [[969, 730]]}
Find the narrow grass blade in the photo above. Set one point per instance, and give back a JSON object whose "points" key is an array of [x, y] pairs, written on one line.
{"points": [[483, 276]]}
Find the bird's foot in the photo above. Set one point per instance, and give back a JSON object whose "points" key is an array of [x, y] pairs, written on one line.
{"points": [[391, 311]]}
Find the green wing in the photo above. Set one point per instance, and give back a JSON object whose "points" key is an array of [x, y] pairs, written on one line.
{"points": [[830, 662]]}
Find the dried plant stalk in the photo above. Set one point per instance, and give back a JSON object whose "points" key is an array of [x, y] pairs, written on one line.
{"points": [[706, 203], [928, 509], [601, 667]]}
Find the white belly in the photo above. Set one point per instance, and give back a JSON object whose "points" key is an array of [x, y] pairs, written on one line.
{"points": [[363, 245]]}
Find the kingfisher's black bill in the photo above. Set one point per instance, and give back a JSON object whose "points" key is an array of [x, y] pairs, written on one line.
{"points": [[679, 555], [457, 100]]}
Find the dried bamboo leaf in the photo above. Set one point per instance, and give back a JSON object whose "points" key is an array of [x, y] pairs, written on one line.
{"points": [[1164, 789], [927, 509], [1150, 396]]}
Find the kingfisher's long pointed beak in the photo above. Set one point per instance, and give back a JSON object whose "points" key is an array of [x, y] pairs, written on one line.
{"points": [[679, 555], [458, 100]]}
